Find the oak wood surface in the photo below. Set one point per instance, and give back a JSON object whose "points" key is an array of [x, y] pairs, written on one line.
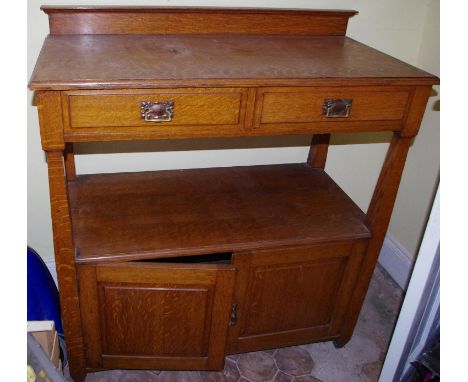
{"points": [[173, 314], [302, 291], [135, 61], [318, 150], [417, 107], [281, 222], [190, 20], [305, 105], [116, 114], [65, 263], [105, 115], [378, 217], [89, 305], [49, 108], [170, 213], [69, 157]]}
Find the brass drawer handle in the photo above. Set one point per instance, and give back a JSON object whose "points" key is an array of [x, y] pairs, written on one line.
{"points": [[337, 108], [157, 111]]}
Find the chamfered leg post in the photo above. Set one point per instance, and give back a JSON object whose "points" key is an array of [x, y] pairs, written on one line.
{"points": [[318, 150], [64, 259], [377, 218], [70, 169]]}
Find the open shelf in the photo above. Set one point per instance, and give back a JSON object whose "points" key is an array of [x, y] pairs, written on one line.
{"points": [[131, 216]]}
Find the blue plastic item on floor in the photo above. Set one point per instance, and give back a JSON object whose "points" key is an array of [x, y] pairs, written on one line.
{"points": [[43, 296]]}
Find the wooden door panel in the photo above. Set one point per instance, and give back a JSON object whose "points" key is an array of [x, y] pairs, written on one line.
{"points": [[168, 321], [293, 295], [173, 316]]}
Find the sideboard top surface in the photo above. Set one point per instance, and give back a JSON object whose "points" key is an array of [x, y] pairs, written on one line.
{"points": [[133, 61]]}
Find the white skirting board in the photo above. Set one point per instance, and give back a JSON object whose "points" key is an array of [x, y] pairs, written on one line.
{"points": [[393, 258], [396, 261]]}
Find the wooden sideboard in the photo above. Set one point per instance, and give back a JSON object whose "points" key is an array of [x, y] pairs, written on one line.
{"points": [[176, 269]]}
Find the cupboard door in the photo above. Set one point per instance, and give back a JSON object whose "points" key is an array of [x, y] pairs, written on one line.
{"points": [[293, 295], [152, 316]]}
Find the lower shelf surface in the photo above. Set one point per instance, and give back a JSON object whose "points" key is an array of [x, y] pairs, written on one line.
{"points": [[127, 216]]}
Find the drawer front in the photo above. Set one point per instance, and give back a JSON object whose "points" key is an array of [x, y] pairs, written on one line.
{"points": [[302, 106], [194, 111]]}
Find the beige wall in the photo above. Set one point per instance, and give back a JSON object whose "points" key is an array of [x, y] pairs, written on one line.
{"points": [[407, 30]]}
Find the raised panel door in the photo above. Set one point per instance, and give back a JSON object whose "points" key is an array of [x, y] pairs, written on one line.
{"points": [[149, 315], [293, 295]]}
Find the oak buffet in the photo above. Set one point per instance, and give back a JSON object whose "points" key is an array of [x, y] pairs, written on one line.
{"points": [[176, 269]]}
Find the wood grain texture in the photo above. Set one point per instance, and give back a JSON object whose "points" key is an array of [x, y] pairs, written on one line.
{"points": [[174, 315], [416, 111], [220, 318], [134, 61], [171, 213], [116, 133], [318, 150], [293, 290], [299, 243], [65, 264], [154, 363], [378, 218], [305, 105], [49, 108], [89, 305], [108, 115], [173, 324], [69, 156], [169, 20], [122, 108]]}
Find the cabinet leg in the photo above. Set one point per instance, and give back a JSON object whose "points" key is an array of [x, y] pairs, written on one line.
{"points": [[64, 259], [70, 169], [318, 150], [378, 219], [341, 342]]}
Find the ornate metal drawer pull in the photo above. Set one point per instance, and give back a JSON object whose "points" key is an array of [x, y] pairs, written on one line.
{"points": [[337, 108], [157, 111]]}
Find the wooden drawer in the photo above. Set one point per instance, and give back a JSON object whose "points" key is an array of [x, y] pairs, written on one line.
{"points": [[303, 107], [113, 114]]}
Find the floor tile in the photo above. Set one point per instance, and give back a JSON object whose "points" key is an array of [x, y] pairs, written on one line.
{"points": [[180, 376], [308, 378], [294, 361], [231, 372], [257, 366], [283, 377]]}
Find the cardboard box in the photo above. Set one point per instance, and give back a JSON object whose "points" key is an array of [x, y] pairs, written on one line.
{"points": [[44, 332]]}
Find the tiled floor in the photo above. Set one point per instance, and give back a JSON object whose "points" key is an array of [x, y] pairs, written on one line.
{"points": [[360, 360]]}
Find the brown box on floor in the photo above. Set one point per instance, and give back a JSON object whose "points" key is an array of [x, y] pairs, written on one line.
{"points": [[44, 332]]}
